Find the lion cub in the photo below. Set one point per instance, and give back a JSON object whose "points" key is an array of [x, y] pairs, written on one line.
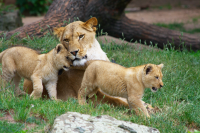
{"points": [[42, 69], [117, 80]]}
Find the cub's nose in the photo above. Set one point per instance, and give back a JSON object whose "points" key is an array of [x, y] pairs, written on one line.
{"points": [[161, 86], [74, 52]]}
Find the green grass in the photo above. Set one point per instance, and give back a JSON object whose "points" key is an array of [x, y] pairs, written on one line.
{"points": [[6, 127], [179, 27], [179, 99]]}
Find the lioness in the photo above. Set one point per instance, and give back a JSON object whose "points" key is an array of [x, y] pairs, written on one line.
{"points": [[24, 62], [117, 80], [79, 38]]}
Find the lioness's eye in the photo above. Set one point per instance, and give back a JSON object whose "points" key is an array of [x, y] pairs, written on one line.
{"points": [[156, 77], [81, 36], [66, 40]]}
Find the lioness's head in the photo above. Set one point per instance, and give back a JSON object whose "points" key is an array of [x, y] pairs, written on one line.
{"points": [[77, 37], [152, 76], [60, 57]]}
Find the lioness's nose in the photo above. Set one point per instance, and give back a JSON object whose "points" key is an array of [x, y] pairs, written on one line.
{"points": [[74, 52], [161, 86]]}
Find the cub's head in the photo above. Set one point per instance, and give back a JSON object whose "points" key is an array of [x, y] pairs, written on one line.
{"points": [[60, 57], [152, 76], [77, 37]]}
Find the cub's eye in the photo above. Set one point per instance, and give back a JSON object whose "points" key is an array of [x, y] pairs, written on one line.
{"points": [[67, 57], [156, 77], [66, 40], [81, 36]]}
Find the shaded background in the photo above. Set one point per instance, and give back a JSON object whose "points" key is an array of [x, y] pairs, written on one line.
{"points": [[180, 15]]}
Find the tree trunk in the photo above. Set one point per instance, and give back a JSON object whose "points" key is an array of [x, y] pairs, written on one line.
{"points": [[152, 35], [110, 15]]}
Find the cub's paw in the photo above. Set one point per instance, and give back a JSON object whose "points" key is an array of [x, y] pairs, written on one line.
{"points": [[35, 95], [20, 93], [57, 100], [82, 102], [150, 109]]}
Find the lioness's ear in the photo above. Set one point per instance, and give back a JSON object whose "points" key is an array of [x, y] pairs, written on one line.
{"points": [[161, 66], [90, 24], [58, 32], [58, 48], [148, 68]]}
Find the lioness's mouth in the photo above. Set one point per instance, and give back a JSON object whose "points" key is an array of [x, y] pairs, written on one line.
{"points": [[154, 89], [76, 59], [79, 61]]}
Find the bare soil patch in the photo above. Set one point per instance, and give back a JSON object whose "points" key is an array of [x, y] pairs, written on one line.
{"points": [[8, 116], [165, 16]]}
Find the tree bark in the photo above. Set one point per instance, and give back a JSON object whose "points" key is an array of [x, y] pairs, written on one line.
{"points": [[152, 35], [111, 17]]}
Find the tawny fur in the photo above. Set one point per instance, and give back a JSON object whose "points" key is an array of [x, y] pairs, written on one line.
{"points": [[69, 82], [117, 80], [24, 62]]}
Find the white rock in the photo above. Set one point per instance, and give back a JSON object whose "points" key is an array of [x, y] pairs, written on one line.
{"points": [[73, 122]]}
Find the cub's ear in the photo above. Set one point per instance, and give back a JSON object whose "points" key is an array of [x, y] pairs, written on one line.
{"points": [[148, 68], [59, 32], [58, 48], [90, 24], [161, 66]]}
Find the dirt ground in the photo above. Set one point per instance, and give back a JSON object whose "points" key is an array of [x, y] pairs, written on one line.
{"points": [[165, 16]]}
